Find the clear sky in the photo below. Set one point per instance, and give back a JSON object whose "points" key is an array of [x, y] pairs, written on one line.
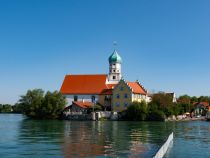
{"points": [[165, 44]]}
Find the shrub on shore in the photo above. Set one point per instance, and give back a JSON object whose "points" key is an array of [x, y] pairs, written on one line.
{"points": [[137, 111], [140, 111], [156, 115]]}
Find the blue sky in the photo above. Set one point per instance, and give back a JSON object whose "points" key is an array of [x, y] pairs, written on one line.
{"points": [[165, 44]]}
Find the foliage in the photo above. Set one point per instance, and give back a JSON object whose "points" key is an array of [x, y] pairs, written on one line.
{"points": [[156, 115], [184, 99], [137, 111], [36, 104], [5, 108], [204, 99], [162, 102], [17, 108], [162, 106], [193, 99]]}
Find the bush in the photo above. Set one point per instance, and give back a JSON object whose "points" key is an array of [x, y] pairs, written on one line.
{"points": [[137, 111], [156, 115], [36, 104]]}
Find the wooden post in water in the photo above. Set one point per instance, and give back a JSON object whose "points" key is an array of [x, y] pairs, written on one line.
{"points": [[162, 151]]}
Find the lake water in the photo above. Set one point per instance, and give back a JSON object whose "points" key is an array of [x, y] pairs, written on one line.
{"points": [[21, 137]]}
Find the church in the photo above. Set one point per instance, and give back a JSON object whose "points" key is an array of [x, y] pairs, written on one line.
{"points": [[110, 90]]}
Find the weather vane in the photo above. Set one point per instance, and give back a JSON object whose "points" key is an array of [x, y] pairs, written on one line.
{"points": [[115, 44]]}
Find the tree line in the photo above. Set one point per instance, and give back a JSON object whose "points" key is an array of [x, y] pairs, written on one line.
{"points": [[38, 104], [162, 106], [8, 108]]}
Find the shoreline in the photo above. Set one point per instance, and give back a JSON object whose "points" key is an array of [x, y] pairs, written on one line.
{"points": [[202, 118]]}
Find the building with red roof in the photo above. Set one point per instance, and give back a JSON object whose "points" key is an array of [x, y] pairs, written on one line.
{"points": [[103, 89]]}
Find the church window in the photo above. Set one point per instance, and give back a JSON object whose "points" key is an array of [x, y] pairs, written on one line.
{"points": [[118, 96], [75, 98], [126, 95], [114, 77], [93, 98]]}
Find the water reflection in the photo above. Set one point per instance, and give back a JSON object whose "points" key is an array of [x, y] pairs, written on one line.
{"points": [[122, 139], [53, 138]]}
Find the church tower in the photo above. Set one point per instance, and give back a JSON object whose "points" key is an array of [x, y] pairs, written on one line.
{"points": [[115, 62]]}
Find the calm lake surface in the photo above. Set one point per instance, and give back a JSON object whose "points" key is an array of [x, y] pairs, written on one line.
{"points": [[21, 137]]}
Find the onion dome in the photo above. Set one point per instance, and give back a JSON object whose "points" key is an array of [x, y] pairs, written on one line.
{"points": [[115, 58]]}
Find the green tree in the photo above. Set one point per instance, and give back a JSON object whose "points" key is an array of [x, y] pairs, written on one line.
{"points": [[184, 99], [17, 108], [53, 105], [163, 102], [156, 115], [32, 102], [193, 99], [36, 104], [204, 99], [137, 111], [5, 108]]}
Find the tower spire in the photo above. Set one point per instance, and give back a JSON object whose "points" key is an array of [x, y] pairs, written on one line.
{"points": [[115, 67]]}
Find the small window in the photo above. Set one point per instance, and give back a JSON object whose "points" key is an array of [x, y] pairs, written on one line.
{"points": [[117, 104], [114, 77], [114, 64], [121, 88], [93, 99], [125, 104], [118, 96], [75, 98], [113, 70], [126, 95]]}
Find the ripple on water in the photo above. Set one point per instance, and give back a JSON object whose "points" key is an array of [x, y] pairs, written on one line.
{"points": [[52, 138]]}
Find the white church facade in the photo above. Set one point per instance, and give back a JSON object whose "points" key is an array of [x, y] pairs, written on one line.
{"points": [[108, 90]]}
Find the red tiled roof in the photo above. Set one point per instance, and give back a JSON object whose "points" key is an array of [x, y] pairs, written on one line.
{"points": [[93, 84], [108, 90], [206, 104], [83, 104], [136, 88], [83, 84]]}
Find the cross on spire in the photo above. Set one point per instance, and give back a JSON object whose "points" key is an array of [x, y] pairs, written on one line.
{"points": [[115, 44]]}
